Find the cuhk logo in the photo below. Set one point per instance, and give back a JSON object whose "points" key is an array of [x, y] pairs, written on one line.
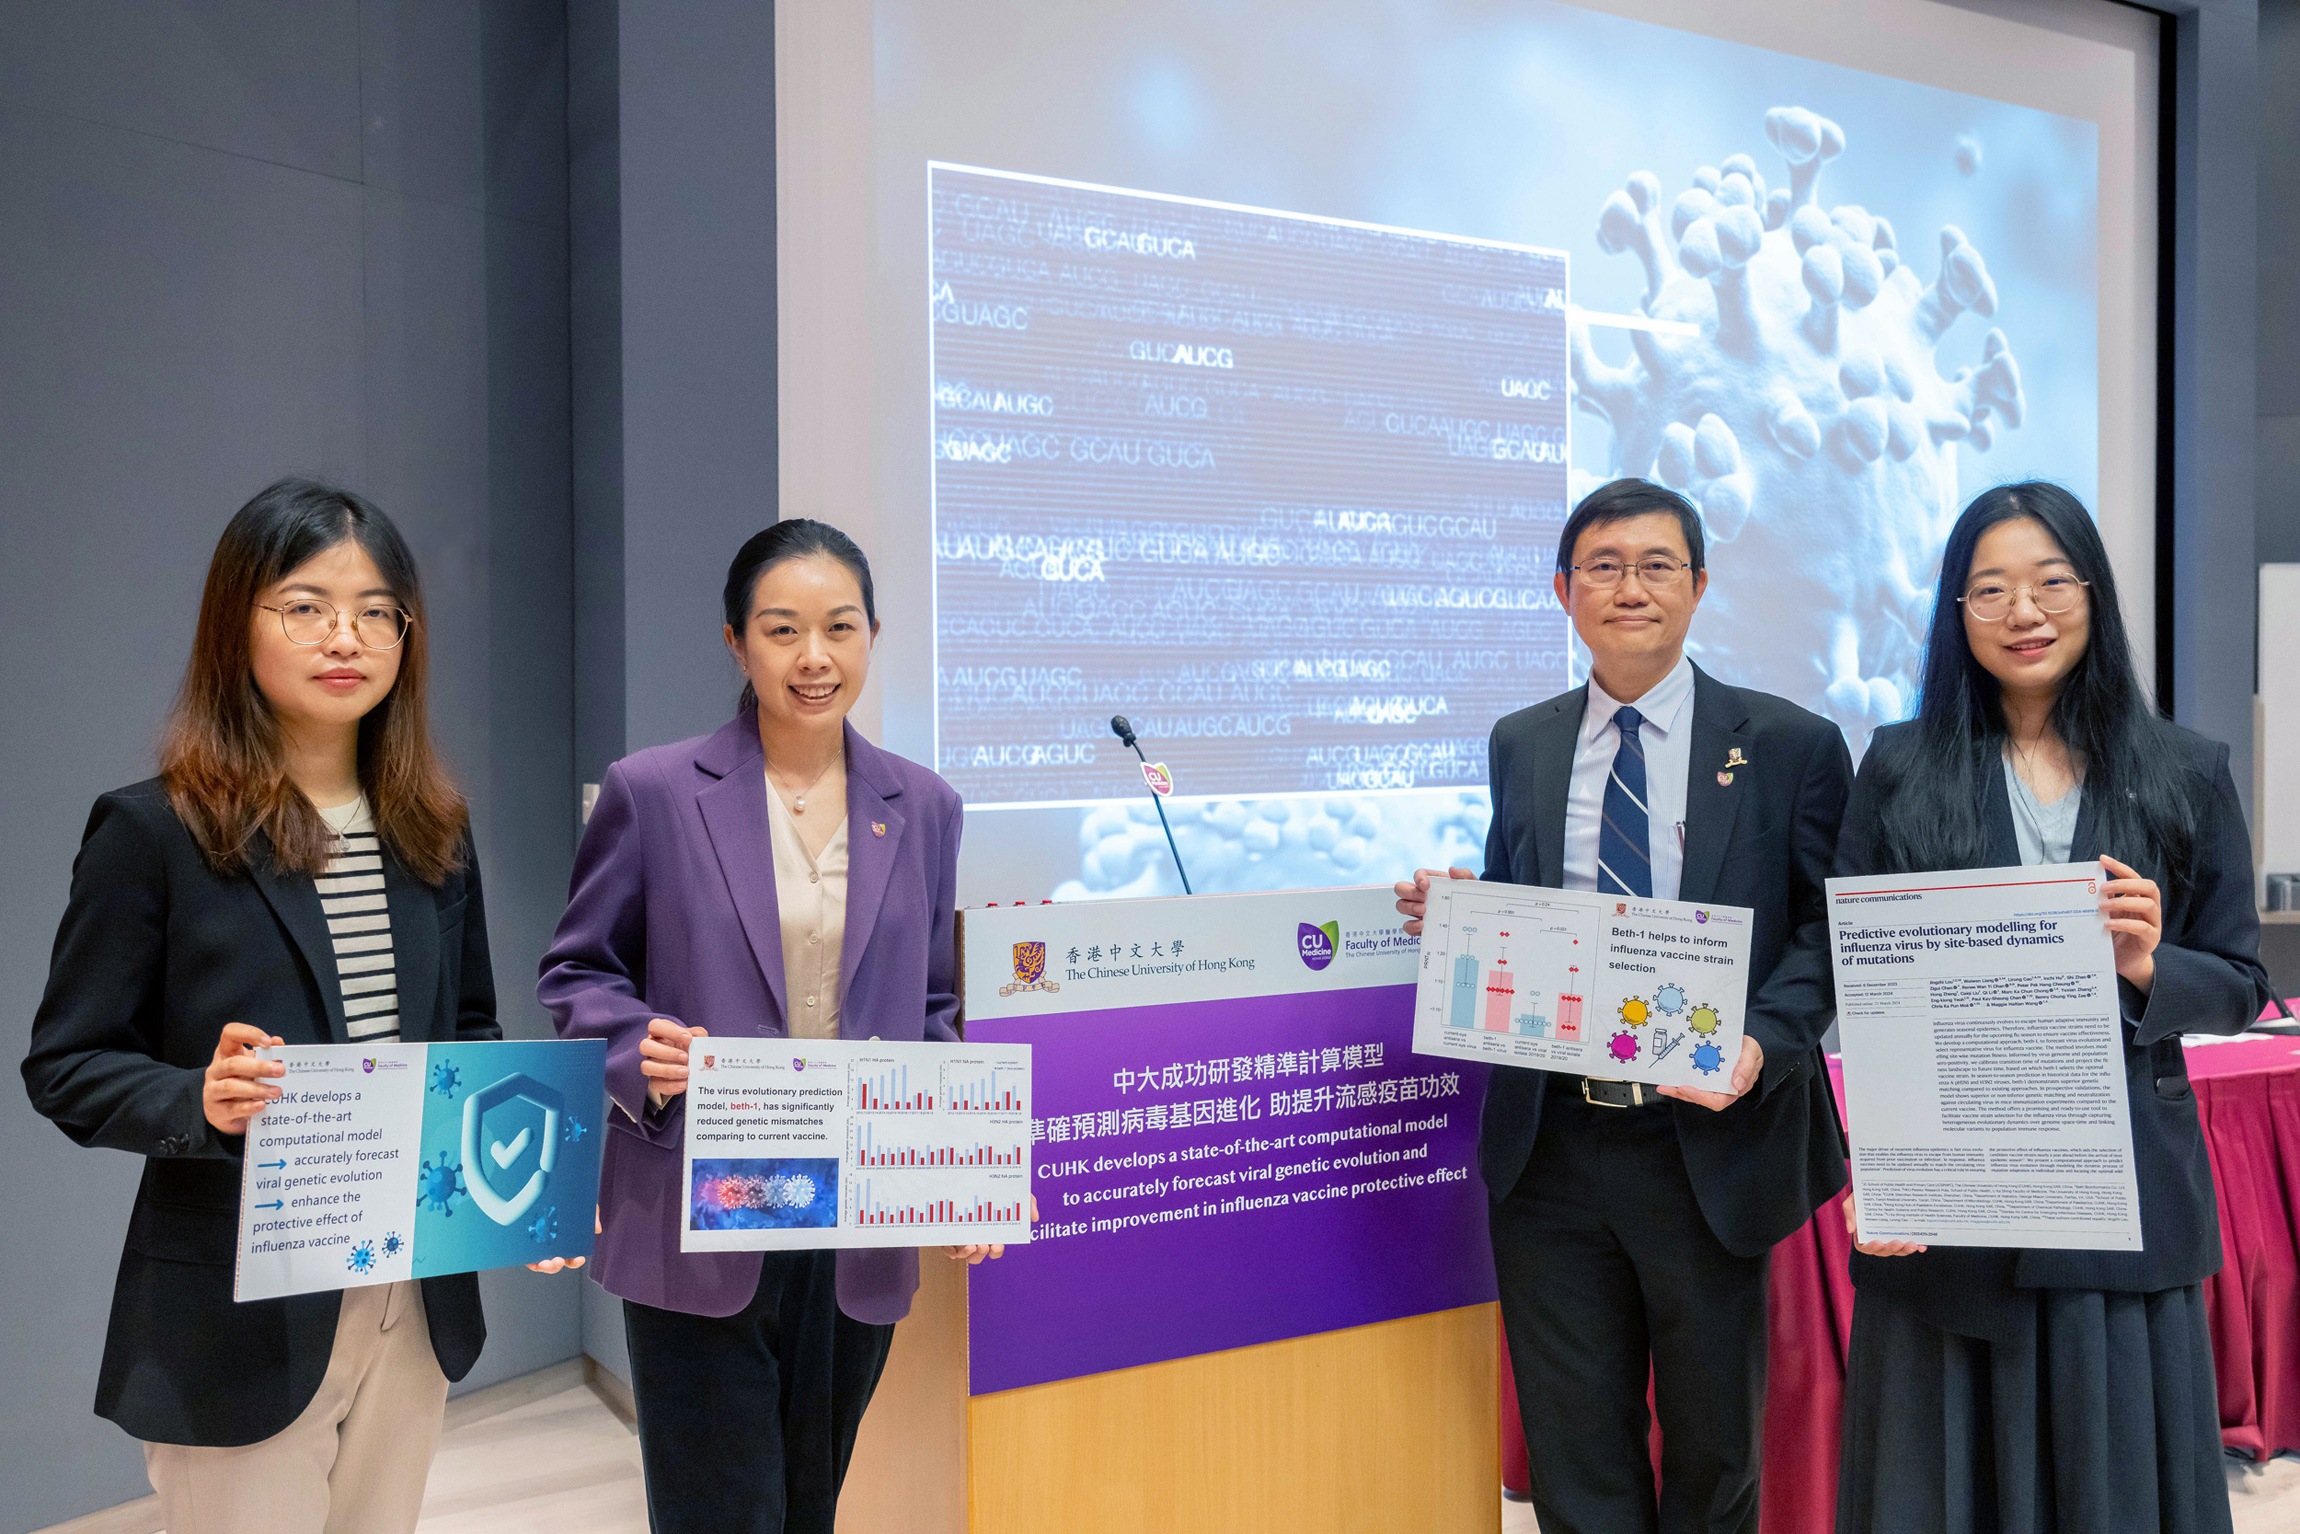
{"points": [[710, 1062], [1319, 944], [1621, 908], [1029, 970], [798, 1063], [368, 1065], [1701, 916]]}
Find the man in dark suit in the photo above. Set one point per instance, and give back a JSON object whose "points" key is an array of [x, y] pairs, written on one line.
{"points": [[1631, 1224]]}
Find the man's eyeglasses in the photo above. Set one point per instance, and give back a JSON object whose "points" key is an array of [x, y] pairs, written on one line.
{"points": [[1654, 574], [1992, 601], [308, 620]]}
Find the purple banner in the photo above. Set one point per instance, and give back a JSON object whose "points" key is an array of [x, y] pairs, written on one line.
{"points": [[1222, 1173]]}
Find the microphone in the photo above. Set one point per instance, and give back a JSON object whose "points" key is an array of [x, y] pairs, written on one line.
{"points": [[1125, 733]]}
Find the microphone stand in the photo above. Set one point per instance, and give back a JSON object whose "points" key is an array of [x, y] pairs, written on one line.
{"points": [[1125, 733]]}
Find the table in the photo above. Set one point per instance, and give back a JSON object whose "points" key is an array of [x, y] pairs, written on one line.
{"points": [[2248, 1099]]}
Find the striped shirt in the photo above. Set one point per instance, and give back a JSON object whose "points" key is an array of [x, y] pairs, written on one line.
{"points": [[359, 923]]}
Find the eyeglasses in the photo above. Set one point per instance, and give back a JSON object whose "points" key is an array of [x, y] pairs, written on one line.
{"points": [[1992, 601], [1654, 574], [311, 621]]}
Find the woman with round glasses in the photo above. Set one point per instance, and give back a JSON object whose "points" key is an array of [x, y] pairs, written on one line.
{"points": [[300, 872], [2056, 1390]]}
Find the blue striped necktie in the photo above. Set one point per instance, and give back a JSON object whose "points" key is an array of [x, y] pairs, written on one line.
{"points": [[1624, 840]]}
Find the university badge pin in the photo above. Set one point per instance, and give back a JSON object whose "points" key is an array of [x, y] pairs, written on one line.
{"points": [[1029, 970], [1734, 758], [878, 828], [1724, 780]]}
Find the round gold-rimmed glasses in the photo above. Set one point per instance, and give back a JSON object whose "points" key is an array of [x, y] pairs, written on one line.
{"points": [[1992, 601], [308, 620]]}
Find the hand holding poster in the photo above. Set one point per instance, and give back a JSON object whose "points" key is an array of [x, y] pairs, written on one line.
{"points": [[1568, 980], [381, 1162], [1984, 1059], [804, 1143]]}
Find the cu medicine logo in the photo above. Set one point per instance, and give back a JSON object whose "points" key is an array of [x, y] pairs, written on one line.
{"points": [[1319, 944], [1029, 970]]}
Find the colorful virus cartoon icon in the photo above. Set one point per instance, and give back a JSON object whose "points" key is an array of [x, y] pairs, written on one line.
{"points": [[393, 1244], [1794, 391], [446, 1080], [545, 1227], [1704, 1020], [1623, 1047], [1635, 1012], [438, 1187], [362, 1258], [572, 1130], [1669, 1000], [1708, 1059]]}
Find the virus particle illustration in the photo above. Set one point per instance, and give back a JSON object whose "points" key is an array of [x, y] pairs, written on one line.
{"points": [[438, 1187], [1623, 1047], [1704, 1020], [1708, 1059], [394, 1244], [1792, 392], [362, 1258], [1663, 1042], [545, 1227], [785, 1190], [446, 1080], [1635, 1012], [1669, 1000], [572, 1130]]}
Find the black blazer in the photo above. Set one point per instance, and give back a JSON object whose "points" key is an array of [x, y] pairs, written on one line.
{"points": [[155, 954], [1764, 840], [2208, 980]]}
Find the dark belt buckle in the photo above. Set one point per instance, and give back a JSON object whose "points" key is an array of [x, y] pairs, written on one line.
{"points": [[1635, 1090]]}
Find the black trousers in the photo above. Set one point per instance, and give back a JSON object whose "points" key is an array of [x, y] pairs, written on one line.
{"points": [[1607, 1271], [746, 1422]]}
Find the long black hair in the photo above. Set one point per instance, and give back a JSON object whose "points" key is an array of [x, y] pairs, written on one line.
{"points": [[2139, 787], [798, 538]]}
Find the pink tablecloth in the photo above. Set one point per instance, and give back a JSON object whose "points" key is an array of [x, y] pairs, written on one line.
{"points": [[2248, 1096]]}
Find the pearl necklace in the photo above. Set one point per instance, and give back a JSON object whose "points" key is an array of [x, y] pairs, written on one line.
{"points": [[799, 799]]}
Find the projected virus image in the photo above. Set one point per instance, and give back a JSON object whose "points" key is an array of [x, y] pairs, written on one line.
{"points": [[1796, 401], [776, 1193]]}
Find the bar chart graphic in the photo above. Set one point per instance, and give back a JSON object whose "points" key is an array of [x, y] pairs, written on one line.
{"points": [[973, 1086], [1497, 997], [881, 1201], [876, 1086], [897, 1143]]}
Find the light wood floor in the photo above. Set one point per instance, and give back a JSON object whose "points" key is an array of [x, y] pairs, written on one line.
{"points": [[546, 1455]]}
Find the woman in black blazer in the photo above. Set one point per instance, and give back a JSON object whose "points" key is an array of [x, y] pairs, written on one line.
{"points": [[300, 872], [2039, 1390]]}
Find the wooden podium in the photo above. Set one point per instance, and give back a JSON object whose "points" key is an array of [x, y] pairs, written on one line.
{"points": [[1384, 1427], [1377, 1429]]}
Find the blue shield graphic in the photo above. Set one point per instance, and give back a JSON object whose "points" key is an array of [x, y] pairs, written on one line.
{"points": [[510, 1144]]}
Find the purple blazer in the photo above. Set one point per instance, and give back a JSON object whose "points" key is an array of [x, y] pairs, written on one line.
{"points": [[672, 914]]}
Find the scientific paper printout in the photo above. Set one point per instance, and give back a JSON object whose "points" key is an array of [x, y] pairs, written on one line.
{"points": [[1595, 985], [799, 1143], [380, 1162], [1984, 1059]]}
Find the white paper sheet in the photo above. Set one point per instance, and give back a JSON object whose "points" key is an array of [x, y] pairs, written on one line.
{"points": [[1566, 980], [804, 1143], [1984, 1059]]}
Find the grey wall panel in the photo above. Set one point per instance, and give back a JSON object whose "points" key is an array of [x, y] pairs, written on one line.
{"points": [[2276, 487], [179, 325], [267, 81]]}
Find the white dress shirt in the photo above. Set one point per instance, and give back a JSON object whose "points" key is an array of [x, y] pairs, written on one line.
{"points": [[1667, 736]]}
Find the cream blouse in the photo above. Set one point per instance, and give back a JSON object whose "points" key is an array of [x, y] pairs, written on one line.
{"points": [[811, 894]]}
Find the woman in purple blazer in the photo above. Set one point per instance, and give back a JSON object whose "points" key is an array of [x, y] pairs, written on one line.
{"points": [[781, 877]]}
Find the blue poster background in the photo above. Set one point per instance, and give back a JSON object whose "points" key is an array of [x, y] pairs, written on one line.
{"points": [[509, 1169]]}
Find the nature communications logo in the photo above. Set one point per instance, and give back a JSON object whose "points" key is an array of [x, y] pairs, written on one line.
{"points": [[1319, 944]]}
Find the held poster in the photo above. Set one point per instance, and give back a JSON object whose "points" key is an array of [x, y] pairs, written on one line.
{"points": [[381, 1162], [1984, 1059], [1568, 980], [803, 1143]]}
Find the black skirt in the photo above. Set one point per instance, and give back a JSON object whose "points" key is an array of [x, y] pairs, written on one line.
{"points": [[2098, 1414]]}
